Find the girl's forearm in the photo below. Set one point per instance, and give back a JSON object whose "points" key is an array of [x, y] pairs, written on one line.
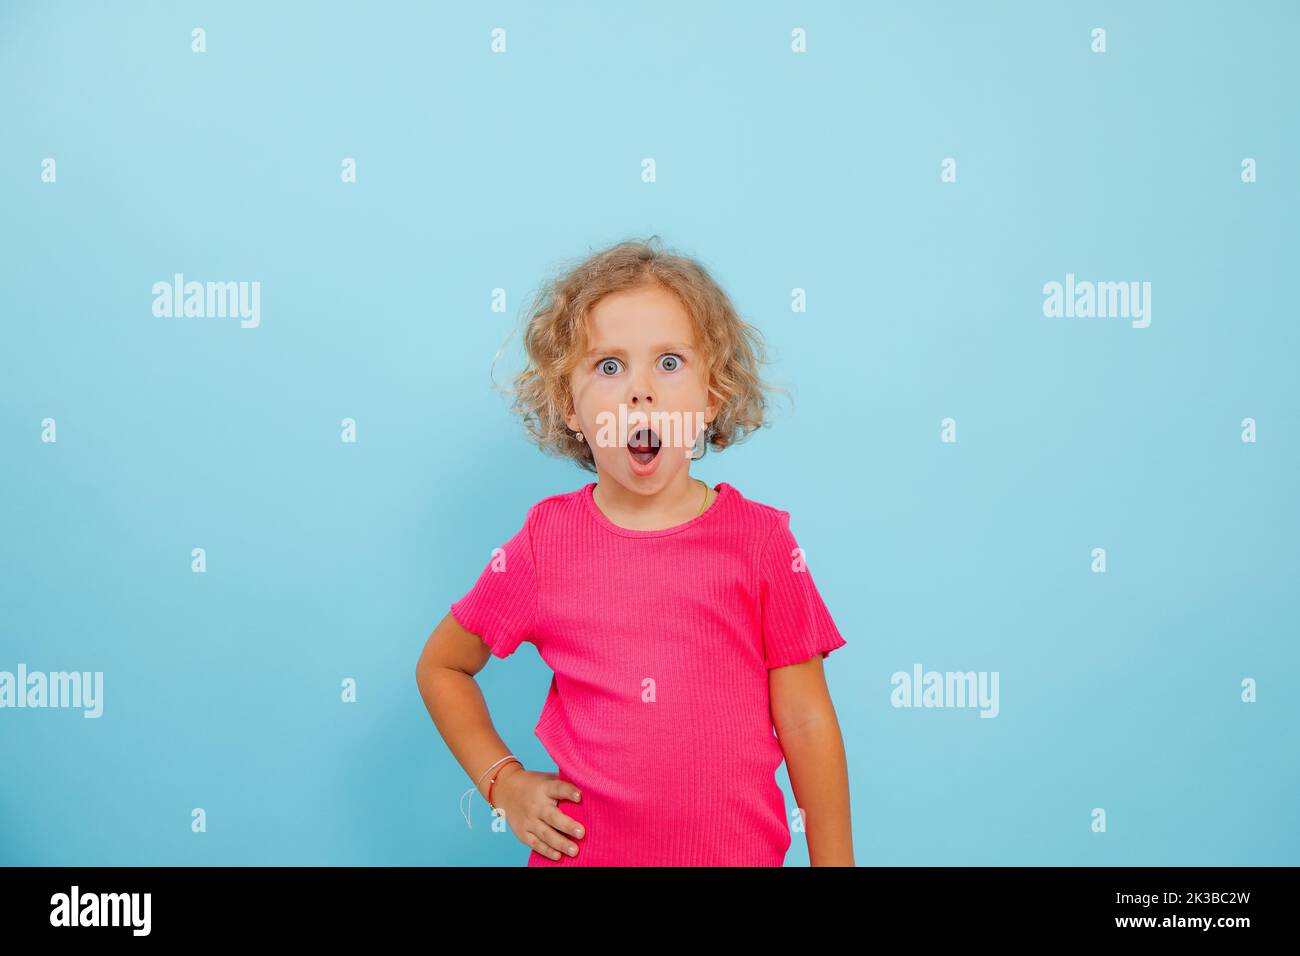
{"points": [[819, 777], [459, 711]]}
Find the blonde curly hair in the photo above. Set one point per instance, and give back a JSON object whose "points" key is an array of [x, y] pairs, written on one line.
{"points": [[556, 336]]}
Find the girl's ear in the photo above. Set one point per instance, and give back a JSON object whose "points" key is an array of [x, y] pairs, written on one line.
{"points": [[570, 418]]}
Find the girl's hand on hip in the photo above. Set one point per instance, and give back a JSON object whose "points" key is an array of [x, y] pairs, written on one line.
{"points": [[529, 800]]}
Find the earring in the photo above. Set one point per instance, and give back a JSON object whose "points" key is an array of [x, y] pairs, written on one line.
{"points": [[578, 435]]}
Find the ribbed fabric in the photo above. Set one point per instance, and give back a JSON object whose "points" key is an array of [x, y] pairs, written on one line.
{"points": [[658, 710]]}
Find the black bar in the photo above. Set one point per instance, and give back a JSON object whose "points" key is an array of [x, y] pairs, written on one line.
{"points": [[491, 904]]}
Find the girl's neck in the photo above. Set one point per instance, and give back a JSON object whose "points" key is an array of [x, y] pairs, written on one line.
{"points": [[674, 504]]}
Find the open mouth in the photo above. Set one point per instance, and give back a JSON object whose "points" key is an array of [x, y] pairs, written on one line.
{"points": [[643, 445]]}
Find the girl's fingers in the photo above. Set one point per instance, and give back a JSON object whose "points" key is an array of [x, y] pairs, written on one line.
{"points": [[563, 790], [556, 844], [563, 822], [539, 846]]}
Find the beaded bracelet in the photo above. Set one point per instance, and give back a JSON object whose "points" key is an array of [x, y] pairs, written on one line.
{"points": [[468, 793], [494, 779]]}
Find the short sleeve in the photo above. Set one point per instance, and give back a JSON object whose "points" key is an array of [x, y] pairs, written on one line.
{"points": [[795, 621], [501, 606]]}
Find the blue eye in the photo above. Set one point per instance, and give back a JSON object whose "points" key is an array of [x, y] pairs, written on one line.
{"points": [[673, 358]]}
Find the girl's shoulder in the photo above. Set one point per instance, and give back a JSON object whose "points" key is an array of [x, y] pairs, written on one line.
{"points": [[562, 498], [764, 514], [564, 505], [747, 519]]}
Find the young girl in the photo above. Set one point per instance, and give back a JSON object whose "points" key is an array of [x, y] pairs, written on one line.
{"points": [[680, 621]]}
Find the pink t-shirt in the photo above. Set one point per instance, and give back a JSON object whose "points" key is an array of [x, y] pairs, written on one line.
{"points": [[658, 710]]}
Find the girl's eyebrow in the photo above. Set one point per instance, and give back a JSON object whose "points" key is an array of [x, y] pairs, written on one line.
{"points": [[666, 347]]}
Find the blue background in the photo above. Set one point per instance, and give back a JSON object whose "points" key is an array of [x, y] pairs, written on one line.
{"points": [[779, 171]]}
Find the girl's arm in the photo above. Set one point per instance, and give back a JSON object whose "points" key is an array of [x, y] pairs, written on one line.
{"points": [[445, 675], [809, 734]]}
